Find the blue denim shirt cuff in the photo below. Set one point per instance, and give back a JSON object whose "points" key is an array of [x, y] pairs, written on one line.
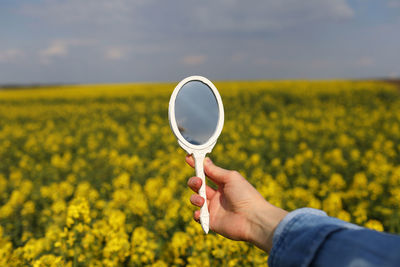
{"points": [[300, 234]]}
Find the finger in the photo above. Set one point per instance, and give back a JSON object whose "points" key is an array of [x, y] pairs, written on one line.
{"points": [[215, 173], [195, 183], [197, 200], [190, 160], [196, 216]]}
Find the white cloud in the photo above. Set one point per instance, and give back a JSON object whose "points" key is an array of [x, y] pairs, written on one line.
{"points": [[116, 53], [194, 60], [10, 55], [60, 48], [238, 57], [57, 48], [365, 62], [394, 75]]}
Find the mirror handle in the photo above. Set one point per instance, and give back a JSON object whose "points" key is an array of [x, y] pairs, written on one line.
{"points": [[204, 215]]}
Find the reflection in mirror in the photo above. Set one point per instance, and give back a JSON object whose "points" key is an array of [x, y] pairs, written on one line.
{"points": [[196, 112]]}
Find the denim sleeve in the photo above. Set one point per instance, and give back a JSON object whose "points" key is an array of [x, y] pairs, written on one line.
{"points": [[308, 237]]}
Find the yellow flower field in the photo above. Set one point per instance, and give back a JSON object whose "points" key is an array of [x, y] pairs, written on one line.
{"points": [[93, 176]]}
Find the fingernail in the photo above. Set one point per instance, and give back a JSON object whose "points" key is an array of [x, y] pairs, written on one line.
{"points": [[199, 200]]}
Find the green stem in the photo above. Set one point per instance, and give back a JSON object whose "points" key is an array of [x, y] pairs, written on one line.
{"points": [[75, 256]]}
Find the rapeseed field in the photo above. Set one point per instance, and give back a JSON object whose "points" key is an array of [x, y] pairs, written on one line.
{"points": [[93, 176]]}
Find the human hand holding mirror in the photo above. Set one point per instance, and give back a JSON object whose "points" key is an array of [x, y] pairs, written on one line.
{"points": [[196, 117]]}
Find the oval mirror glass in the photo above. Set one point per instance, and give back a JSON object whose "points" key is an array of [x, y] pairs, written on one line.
{"points": [[196, 112]]}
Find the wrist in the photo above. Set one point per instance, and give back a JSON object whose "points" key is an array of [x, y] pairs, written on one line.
{"points": [[263, 223]]}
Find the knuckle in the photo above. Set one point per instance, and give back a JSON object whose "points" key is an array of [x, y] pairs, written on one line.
{"points": [[234, 173]]}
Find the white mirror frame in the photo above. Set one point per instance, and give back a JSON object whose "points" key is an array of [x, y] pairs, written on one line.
{"points": [[198, 151]]}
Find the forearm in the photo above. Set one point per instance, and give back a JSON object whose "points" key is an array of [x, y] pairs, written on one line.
{"points": [[263, 223]]}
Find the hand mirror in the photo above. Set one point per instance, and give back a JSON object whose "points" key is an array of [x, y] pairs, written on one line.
{"points": [[196, 117]]}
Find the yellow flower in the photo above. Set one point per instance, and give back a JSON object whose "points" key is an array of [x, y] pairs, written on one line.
{"points": [[361, 213], [28, 208], [78, 211], [344, 215], [33, 248], [374, 224], [49, 260], [337, 182], [180, 243], [122, 181], [360, 181], [117, 244], [332, 204], [143, 246]]}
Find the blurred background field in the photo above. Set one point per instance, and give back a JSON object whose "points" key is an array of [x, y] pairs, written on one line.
{"points": [[92, 175]]}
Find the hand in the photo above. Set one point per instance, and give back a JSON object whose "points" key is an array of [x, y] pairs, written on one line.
{"points": [[237, 209]]}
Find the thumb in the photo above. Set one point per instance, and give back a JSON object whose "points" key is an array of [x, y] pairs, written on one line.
{"points": [[215, 173]]}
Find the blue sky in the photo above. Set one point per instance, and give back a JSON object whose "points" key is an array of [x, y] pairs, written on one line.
{"points": [[96, 41]]}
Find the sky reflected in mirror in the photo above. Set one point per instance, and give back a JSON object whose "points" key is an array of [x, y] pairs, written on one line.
{"points": [[196, 112]]}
